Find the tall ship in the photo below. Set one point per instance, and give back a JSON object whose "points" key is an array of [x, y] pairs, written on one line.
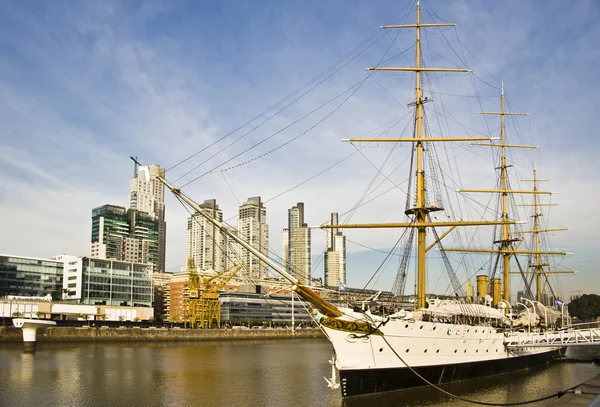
{"points": [[446, 340]]}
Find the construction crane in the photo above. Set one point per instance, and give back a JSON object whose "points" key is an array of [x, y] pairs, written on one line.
{"points": [[202, 305], [192, 304], [210, 306]]}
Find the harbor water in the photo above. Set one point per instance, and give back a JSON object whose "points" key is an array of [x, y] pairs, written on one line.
{"points": [[274, 373]]}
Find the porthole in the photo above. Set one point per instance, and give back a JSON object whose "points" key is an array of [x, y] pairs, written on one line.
{"points": [[455, 350], [476, 331], [425, 351], [437, 351], [407, 350], [421, 327], [380, 349], [496, 350], [465, 351], [406, 326], [434, 328], [476, 350], [468, 330], [487, 350]]}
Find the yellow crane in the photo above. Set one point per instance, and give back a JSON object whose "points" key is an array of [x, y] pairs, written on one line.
{"points": [[210, 309], [202, 305], [191, 304]]}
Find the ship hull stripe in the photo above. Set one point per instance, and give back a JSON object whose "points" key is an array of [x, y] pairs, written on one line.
{"points": [[358, 382]]}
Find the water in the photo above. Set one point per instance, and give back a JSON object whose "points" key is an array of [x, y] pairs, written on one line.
{"points": [[276, 373]]}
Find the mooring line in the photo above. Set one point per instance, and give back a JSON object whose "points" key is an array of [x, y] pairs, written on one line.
{"points": [[482, 403]]}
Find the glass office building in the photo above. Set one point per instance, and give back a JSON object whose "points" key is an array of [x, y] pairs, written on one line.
{"points": [[30, 277], [108, 282], [125, 234], [247, 308]]}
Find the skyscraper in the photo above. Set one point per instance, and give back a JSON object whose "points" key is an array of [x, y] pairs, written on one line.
{"points": [[124, 234], [298, 258], [147, 194], [235, 252], [335, 255], [204, 242], [253, 229], [285, 244]]}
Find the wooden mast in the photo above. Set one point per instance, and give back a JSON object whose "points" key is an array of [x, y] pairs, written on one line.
{"points": [[505, 242], [539, 264], [421, 209]]}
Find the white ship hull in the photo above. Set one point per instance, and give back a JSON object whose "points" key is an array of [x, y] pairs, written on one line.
{"points": [[441, 352]]}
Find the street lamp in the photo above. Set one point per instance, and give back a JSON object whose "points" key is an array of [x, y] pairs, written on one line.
{"points": [[293, 295], [528, 316]]}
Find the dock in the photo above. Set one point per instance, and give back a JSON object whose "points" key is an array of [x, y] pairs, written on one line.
{"points": [[586, 394]]}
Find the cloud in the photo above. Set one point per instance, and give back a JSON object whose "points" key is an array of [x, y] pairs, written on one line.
{"points": [[85, 86]]}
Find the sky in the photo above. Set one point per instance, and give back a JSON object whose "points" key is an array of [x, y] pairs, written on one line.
{"points": [[86, 84]]}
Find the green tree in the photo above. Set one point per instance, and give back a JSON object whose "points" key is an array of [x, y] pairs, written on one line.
{"points": [[586, 307]]}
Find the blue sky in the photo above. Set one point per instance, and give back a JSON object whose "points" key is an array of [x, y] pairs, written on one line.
{"points": [[86, 84]]}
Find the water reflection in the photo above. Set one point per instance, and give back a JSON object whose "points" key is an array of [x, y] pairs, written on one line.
{"points": [[263, 373]]}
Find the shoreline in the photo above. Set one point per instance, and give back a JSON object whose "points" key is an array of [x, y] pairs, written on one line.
{"points": [[10, 334]]}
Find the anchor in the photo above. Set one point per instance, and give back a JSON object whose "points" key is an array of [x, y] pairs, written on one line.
{"points": [[332, 383]]}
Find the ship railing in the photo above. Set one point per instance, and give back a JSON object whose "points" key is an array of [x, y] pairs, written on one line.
{"points": [[594, 324], [570, 337]]}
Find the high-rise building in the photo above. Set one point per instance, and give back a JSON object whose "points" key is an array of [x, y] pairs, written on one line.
{"points": [[285, 239], [298, 258], [253, 229], [335, 255], [147, 194], [204, 242], [124, 235], [235, 252]]}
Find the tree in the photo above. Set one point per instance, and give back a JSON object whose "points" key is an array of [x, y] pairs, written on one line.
{"points": [[586, 307]]}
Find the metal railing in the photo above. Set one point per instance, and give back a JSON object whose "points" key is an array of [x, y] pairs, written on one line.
{"points": [[570, 337]]}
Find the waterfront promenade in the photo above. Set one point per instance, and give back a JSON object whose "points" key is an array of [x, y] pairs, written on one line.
{"points": [[135, 334]]}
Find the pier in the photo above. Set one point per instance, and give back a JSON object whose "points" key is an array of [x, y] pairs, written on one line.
{"points": [[29, 328], [135, 334]]}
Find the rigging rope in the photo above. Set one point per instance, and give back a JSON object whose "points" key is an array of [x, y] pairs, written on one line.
{"points": [[358, 86], [377, 35]]}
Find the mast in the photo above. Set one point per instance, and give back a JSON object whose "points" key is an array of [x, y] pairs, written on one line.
{"points": [[419, 212], [538, 257], [539, 264], [505, 248]]}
